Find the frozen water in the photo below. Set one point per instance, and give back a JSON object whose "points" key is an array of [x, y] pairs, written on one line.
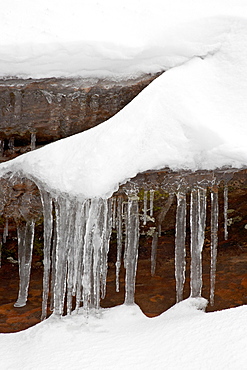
{"points": [[25, 234], [131, 252], [119, 225], [154, 252], [6, 230], [180, 250], [197, 228], [214, 240], [225, 211], [33, 140]]}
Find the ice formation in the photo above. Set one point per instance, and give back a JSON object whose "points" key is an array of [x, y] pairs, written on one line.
{"points": [[77, 235], [182, 121]]}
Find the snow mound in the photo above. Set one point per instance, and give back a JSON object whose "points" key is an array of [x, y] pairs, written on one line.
{"points": [[199, 341]]}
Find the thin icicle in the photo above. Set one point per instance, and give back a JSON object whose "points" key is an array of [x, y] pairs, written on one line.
{"points": [[197, 229], [180, 250], [46, 200], [6, 230], [131, 253], [154, 252], [33, 140], [81, 220], [119, 239], [25, 233], [1, 147], [214, 240], [114, 201], [225, 211], [151, 202], [71, 255], [145, 200], [106, 234]]}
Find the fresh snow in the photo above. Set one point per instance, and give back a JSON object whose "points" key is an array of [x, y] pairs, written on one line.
{"points": [[184, 337], [192, 117]]}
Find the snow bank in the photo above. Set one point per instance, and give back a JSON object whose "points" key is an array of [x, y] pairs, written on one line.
{"points": [[122, 338], [191, 117], [108, 38]]}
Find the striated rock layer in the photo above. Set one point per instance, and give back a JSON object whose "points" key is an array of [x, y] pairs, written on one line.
{"points": [[42, 111]]}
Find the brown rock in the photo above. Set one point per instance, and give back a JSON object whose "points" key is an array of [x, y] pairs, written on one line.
{"points": [[56, 108]]}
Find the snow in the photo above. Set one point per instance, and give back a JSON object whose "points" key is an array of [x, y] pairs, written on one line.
{"points": [[192, 117], [183, 337], [89, 37]]}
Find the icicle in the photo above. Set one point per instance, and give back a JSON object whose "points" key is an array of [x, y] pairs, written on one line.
{"points": [[25, 235], [1, 147], [106, 234], [81, 220], [119, 239], [164, 211], [145, 199], [197, 229], [154, 252], [214, 240], [11, 144], [48, 227], [131, 252], [49, 96], [71, 255], [180, 250], [6, 230], [114, 201], [33, 140], [225, 211], [91, 246], [65, 213], [151, 206]]}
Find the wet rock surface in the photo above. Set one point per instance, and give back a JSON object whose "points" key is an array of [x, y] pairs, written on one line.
{"points": [[46, 110]]}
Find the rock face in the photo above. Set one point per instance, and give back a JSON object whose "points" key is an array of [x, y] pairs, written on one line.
{"points": [[37, 112]]}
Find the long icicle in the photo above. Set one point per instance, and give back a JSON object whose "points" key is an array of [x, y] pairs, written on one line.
{"points": [[64, 210], [106, 235], [71, 254], [151, 202], [197, 229], [145, 200], [25, 233], [119, 222], [154, 252], [48, 226], [214, 240], [87, 283], [180, 250], [81, 218], [225, 211], [131, 254]]}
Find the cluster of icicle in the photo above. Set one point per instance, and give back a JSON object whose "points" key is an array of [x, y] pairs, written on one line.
{"points": [[76, 244]]}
